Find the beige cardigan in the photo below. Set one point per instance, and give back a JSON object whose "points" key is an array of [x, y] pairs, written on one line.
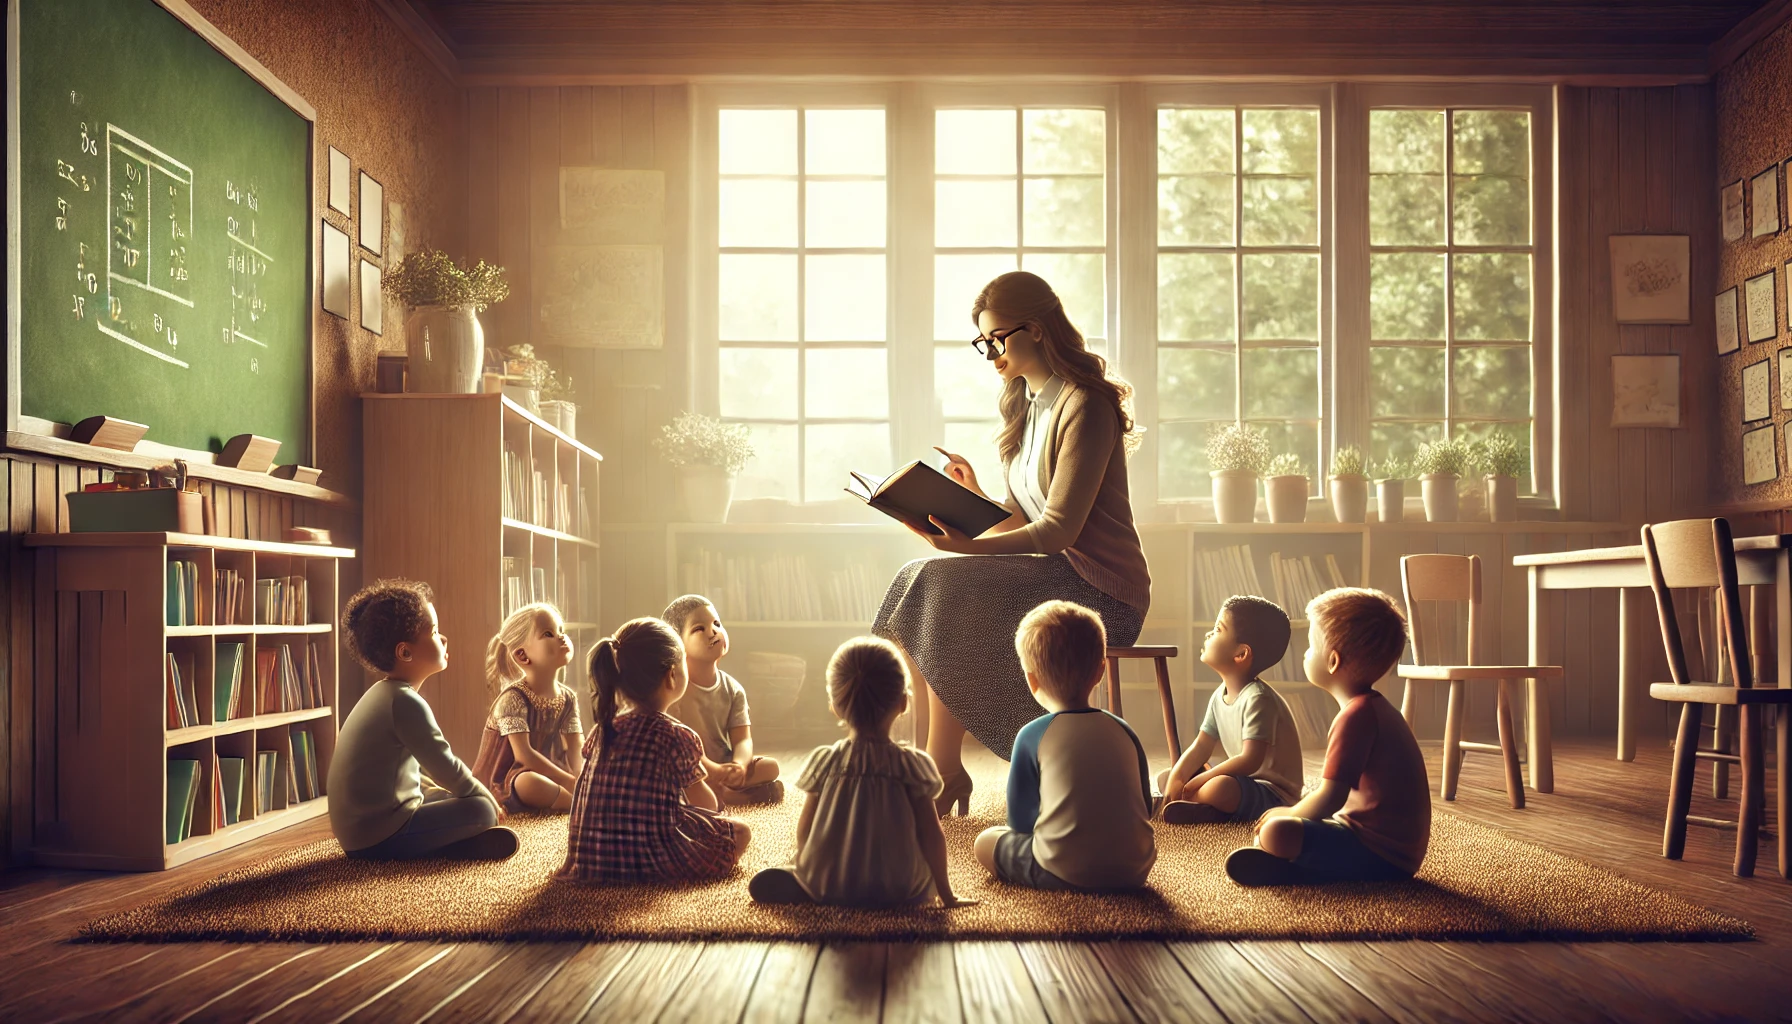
{"points": [[1088, 507]]}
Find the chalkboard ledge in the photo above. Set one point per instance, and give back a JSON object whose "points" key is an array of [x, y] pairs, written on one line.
{"points": [[198, 464]]}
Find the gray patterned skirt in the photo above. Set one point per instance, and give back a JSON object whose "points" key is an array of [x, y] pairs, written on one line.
{"points": [[956, 616]]}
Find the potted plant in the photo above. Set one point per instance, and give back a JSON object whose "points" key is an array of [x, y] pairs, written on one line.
{"points": [[1440, 464], [443, 339], [1390, 489], [707, 453], [1502, 461], [1350, 487], [524, 375], [557, 401], [1236, 455], [1285, 487]]}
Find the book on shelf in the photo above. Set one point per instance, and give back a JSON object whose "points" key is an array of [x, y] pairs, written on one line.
{"points": [[267, 764], [227, 598], [292, 778], [283, 682], [217, 796], [315, 677], [183, 694], [177, 708], [538, 497], [515, 496], [183, 593], [230, 775], [782, 588], [229, 680], [282, 601], [916, 491], [305, 765], [183, 789]]}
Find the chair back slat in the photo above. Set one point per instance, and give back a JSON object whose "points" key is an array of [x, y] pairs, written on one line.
{"points": [[1698, 553], [1453, 579]]}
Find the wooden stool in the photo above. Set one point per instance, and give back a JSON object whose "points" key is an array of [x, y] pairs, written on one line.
{"points": [[1161, 656]]}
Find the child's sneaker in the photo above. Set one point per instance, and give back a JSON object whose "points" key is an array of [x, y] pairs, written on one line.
{"points": [[1248, 865], [1187, 812], [495, 843]]}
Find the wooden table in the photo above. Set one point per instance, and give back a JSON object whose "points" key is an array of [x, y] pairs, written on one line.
{"points": [[1760, 562]]}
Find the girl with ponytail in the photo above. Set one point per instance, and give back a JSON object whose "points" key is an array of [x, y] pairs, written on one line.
{"points": [[641, 811], [532, 751], [869, 834]]}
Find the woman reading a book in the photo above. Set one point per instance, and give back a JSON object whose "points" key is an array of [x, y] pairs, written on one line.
{"points": [[1066, 432]]}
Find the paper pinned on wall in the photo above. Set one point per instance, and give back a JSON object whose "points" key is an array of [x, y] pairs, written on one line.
{"points": [[1764, 202], [601, 296], [373, 209], [336, 271], [1646, 391], [1760, 456], [339, 174], [1649, 279], [1763, 321], [1731, 201], [1756, 380], [1786, 378], [605, 206], [373, 307], [1728, 339]]}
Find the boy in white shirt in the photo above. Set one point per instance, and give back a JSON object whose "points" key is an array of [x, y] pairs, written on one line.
{"points": [[715, 705], [1246, 719]]}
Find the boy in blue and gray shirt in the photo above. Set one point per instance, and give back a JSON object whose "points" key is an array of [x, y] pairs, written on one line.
{"points": [[1079, 791]]}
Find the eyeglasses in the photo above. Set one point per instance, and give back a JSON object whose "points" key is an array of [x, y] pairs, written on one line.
{"points": [[993, 345]]}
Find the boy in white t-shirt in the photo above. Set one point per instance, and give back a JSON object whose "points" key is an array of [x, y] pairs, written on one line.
{"points": [[1246, 719], [715, 705]]}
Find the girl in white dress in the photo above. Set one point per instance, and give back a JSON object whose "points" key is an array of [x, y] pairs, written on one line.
{"points": [[869, 835]]}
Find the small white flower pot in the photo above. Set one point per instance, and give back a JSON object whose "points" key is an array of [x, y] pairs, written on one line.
{"points": [[706, 492], [1350, 498], [1502, 498], [1234, 495], [1286, 498], [1390, 500], [1440, 497]]}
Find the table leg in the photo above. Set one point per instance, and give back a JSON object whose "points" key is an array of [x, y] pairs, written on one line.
{"points": [[1536, 711], [1629, 666]]}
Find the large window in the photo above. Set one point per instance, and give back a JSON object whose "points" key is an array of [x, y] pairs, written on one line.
{"points": [[1450, 303], [1238, 272]]}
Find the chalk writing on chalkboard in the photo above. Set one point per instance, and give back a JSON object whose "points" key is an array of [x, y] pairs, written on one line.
{"points": [[149, 223]]}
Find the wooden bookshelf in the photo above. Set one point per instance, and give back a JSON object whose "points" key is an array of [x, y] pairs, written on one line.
{"points": [[465, 492], [102, 793]]}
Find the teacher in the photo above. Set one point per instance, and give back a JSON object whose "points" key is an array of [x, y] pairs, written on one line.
{"points": [[1066, 432]]}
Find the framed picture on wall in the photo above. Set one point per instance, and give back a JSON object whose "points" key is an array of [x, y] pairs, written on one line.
{"points": [[339, 168], [1649, 279], [1764, 202], [1730, 199], [373, 209], [1763, 319], [1785, 380], [372, 307], [1646, 391], [1756, 382], [1728, 338], [1760, 456], [336, 270]]}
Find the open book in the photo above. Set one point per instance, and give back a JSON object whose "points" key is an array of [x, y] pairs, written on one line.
{"points": [[917, 491]]}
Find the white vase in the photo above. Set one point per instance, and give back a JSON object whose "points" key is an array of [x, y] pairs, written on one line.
{"points": [[706, 492], [1286, 498], [1234, 495], [1390, 501], [446, 347], [1439, 491], [1350, 498], [562, 414], [1502, 498]]}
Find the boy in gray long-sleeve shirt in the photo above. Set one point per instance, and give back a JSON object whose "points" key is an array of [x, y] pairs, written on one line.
{"points": [[380, 807]]}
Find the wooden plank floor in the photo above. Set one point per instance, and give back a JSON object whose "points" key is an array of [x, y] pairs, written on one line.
{"points": [[1602, 811]]}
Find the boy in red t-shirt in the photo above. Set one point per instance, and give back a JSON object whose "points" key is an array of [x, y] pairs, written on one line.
{"points": [[1370, 818]]}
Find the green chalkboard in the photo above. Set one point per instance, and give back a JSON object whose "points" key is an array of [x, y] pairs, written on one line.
{"points": [[165, 230]]}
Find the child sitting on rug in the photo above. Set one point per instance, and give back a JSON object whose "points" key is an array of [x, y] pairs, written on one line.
{"points": [[868, 834], [716, 707], [379, 807], [1079, 793], [1370, 819], [1246, 718], [532, 751], [641, 811]]}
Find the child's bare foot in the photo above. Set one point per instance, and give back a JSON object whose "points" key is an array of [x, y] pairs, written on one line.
{"points": [[1187, 812], [1248, 865]]}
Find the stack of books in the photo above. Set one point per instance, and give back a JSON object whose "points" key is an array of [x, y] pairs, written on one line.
{"points": [[227, 598], [282, 601], [283, 683], [181, 692], [782, 588], [1223, 572], [183, 593], [515, 498], [227, 695], [183, 798], [1298, 582]]}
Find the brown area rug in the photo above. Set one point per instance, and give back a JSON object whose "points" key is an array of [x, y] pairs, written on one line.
{"points": [[1476, 884]]}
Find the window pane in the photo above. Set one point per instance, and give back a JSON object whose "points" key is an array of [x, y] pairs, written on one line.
{"points": [[1492, 177], [1064, 141], [964, 382], [758, 213], [1195, 209], [1081, 283], [846, 383], [831, 451], [756, 298], [1493, 296], [1406, 184], [1281, 296], [758, 382], [1406, 296], [843, 298], [1195, 141], [973, 213], [1281, 167], [844, 141], [757, 141], [1300, 439], [1281, 382], [772, 471], [1406, 381], [976, 442], [1401, 439], [1195, 297], [1492, 381], [1195, 382], [846, 214], [956, 282], [973, 141], [1064, 211], [1182, 460]]}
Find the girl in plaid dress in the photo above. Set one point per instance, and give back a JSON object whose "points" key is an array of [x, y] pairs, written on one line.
{"points": [[641, 811]]}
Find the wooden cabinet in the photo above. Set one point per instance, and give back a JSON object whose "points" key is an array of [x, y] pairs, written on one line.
{"points": [[492, 507]]}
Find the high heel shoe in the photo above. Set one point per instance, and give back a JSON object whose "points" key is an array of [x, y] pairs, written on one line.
{"points": [[956, 790]]}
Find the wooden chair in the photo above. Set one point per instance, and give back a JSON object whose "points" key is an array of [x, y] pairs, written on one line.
{"points": [[1457, 578], [1701, 553], [1161, 656]]}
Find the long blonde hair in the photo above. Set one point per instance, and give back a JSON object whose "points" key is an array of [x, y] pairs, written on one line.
{"points": [[867, 681], [501, 669], [1027, 299]]}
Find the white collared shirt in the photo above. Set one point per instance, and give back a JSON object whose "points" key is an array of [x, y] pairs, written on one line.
{"points": [[1023, 472]]}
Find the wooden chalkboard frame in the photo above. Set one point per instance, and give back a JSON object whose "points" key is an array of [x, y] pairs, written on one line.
{"points": [[42, 437]]}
